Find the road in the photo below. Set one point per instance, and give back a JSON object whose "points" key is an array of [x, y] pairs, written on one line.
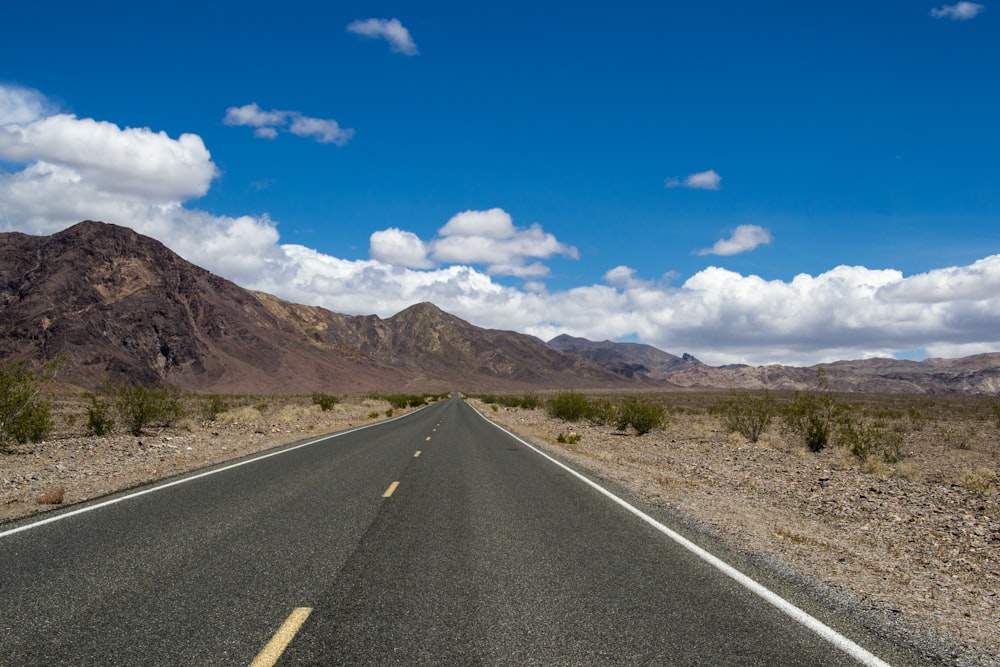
{"points": [[435, 538]]}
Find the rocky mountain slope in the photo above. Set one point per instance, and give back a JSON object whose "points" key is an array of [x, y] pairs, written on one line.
{"points": [[979, 374], [121, 305], [626, 359]]}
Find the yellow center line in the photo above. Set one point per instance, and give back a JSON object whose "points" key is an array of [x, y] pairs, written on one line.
{"points": [[390, 490], [269, 655], [416, 454], [428, 437]]}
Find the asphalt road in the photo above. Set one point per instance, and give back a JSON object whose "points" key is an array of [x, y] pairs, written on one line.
{"points": [[431, 539]]}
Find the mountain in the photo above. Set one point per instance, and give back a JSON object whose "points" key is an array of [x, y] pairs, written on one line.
{"points": [[979, 374], [625, 359], [121, 305]]}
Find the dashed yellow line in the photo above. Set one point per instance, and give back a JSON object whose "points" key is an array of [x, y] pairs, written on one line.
{"points": [[428, 438], [269, 655], [390, 490], [416, 454]]}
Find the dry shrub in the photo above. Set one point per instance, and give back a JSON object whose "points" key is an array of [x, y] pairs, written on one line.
{"points": [[910, 471], [187, 424], [243, 414], [981, 479], [54, 497], [290, 413]]}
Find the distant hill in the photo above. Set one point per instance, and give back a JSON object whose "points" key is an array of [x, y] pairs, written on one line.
{"points": [[625, 359], [978, 374]]}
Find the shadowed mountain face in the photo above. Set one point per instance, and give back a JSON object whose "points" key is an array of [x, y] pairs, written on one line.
{"points": [[121, 305], [625, 359]]}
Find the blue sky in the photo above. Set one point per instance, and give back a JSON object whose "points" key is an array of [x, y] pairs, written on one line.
{"points": [[783, 182]]}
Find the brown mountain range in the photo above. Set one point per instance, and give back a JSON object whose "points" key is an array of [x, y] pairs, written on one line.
{"points": [[120, 305]]}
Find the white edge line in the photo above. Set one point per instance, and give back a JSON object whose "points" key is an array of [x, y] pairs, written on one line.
{"points": [[856, 651], [213, 471]]}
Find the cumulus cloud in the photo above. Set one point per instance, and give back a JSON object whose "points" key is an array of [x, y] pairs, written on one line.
{"points": [[399, 248], [719, 315], [703, 180], [475, 237], [267, 124], [962, 11], [22, 105], [391, 30], [744, 239]]}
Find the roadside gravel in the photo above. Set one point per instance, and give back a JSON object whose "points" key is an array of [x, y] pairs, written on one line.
{"points": [[70, 468]]}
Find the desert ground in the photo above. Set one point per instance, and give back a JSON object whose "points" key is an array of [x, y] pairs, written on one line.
{"points": [[910, 546]]}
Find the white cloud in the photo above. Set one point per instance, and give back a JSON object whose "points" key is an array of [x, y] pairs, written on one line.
{"points": [[22, 105], [323, 131], [474, 237], [268, 123], [744, 239], [130, 161], [490, 237], [962, 11], [703, 180], [399, 248], [390, 30], [718, 315]]}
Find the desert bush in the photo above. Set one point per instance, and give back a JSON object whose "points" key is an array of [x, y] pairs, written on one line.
{"points": [[980, 479], [569, 405], [811, 417], [400, 401], [140, 406], [524, 401], [601, 412], [373, 414], [100, 420], [324, 401], [213, 406], [568, 438], [870, 439], [748, 414], [641, 414], [24, 416]]}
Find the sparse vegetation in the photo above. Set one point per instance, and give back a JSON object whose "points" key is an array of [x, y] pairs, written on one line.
{"points": [[213, 406], [981, 479], [400, 401], [641, 414], [811, 418], [324, 401], [748, 414], [100, 420], [570, 406], [870, 439], [24, 415], [525, 401], [140, 406]]}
